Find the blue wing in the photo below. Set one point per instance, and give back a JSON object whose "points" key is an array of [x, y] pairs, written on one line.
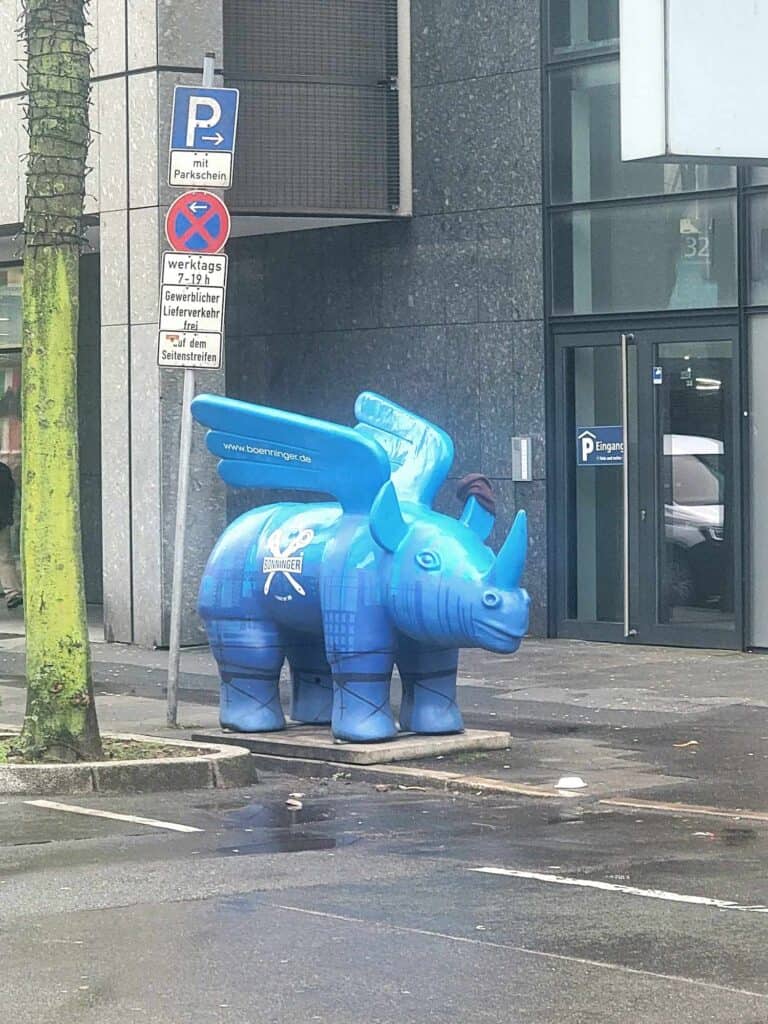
{"points": [[261, 447], [420, 454]]}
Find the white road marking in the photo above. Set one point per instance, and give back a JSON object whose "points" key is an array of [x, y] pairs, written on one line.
{"points": [[525, 951], [170, 826], [626, 890]]}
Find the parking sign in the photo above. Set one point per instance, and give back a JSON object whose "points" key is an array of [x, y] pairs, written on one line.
{"points": [[203, 135], [599, 446]]}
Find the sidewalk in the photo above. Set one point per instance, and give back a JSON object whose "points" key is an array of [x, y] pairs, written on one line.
{"points": [[655, 723]]}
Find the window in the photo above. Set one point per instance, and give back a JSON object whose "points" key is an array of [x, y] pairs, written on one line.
{"points": [[577, 25], [10, 307], [758, 249], [640, 256], [644, 256], [585, 146]]}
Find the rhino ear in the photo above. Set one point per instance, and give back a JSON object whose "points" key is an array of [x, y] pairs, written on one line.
{"points": [[477, 518], [387, 524]]}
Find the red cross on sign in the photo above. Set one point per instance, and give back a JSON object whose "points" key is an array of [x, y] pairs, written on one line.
{"points": [[198, 222]]}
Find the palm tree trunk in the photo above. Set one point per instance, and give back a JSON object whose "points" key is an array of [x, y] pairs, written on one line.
{"points": [[60, 721]]}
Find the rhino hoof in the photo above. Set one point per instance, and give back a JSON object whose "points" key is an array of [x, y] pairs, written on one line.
{"points": [[429, 721], [242, 711], [362, 714]]}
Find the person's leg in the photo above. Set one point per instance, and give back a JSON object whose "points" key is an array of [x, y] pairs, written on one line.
{"points": [[9, 576]]}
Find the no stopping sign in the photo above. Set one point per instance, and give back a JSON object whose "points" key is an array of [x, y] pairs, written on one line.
{"points": [[198, 222]]}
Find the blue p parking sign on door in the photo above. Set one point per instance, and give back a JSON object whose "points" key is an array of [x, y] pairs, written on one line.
{"points": [[599, 446]]}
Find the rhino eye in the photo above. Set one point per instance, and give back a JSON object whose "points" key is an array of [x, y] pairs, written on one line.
{"points": [[429, 560], [491, 599]]}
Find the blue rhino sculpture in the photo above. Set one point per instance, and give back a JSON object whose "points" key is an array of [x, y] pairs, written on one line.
{"points": [[346, 589]]}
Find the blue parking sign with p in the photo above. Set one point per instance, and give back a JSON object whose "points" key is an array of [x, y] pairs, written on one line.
{"points": [[204, 118], [203, 134]]}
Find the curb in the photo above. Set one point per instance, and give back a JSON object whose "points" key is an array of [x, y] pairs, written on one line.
{"points": [[219, 767], [419, 778]]}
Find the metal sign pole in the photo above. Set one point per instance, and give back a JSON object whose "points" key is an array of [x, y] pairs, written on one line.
{"points": [[185, 452]]}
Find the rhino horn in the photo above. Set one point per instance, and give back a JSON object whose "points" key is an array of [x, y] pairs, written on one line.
{"points": [[510, 561]]}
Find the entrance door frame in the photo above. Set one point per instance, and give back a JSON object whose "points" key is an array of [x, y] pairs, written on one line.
{"points": [[608, 331]]}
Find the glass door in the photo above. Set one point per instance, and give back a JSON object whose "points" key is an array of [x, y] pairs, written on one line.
{"points": [[689, 514], [647, 487], [593, 534]]}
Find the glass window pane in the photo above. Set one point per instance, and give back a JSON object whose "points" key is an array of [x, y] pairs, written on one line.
{"points": [[758, 250], [576, 25], [10, 307], [647, 256], [595, 532], [586, 146], [758, 449], [758, 176]]}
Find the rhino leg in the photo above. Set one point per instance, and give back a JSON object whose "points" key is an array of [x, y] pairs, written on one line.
{"points": [[361, 709], [311, 681], [250, 654], [428, 676]]}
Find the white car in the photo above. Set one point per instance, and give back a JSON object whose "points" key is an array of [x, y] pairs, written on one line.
{"points": [[694, 519]]}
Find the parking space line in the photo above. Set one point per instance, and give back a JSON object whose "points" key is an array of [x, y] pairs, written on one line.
{"points": [[625, 890], [523, 950], [170, 826]]}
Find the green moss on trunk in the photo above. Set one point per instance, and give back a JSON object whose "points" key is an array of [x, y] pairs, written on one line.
{"points": [[60, 722]]}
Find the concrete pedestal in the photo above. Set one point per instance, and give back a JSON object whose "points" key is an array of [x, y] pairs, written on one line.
{"points": [[315, 743]]}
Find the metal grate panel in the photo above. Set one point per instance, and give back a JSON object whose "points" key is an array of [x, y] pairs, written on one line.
{"points": [[319, 123]]}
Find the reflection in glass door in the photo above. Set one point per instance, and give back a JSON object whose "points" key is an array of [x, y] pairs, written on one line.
{"points": [[649, 531], [693, 403]]}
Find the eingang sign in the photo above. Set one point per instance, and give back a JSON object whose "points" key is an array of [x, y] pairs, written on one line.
{"points": [[599, 446]]}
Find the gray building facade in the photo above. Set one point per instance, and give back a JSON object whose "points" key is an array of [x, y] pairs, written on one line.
{"points": [[442, 311], [429, 201]]}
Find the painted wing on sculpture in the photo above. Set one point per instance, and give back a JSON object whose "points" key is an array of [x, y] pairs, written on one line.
{"points": [[420, 454], [261, 447]]}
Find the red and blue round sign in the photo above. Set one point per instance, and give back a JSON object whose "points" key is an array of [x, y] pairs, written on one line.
{"points": [[198, 222]]}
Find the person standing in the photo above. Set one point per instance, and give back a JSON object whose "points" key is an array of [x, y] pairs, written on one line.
{"points": [[9, 575]]}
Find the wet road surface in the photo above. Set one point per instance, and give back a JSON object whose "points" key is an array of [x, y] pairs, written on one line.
{"points": [[367, 906]]}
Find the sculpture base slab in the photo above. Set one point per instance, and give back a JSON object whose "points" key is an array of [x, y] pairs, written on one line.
{"points": [[314, 743]]}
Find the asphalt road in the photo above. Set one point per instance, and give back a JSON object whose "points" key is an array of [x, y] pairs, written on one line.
{"points": [[366, 907]]}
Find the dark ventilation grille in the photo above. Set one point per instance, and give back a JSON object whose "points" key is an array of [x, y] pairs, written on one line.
{"points": [[319, 120]]}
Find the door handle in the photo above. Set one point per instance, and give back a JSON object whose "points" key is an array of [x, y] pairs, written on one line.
{"points": [[625, 342]]}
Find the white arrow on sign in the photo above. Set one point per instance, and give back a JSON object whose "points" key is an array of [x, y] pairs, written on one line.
{"points": [[199, 207], [217, 139]]}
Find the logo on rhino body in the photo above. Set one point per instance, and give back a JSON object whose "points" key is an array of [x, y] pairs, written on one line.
{"points": [[286, 561]]}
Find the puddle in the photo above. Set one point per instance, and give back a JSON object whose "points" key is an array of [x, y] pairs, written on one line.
{"points": [[274, 828], [277, 815], [291, 842]]}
